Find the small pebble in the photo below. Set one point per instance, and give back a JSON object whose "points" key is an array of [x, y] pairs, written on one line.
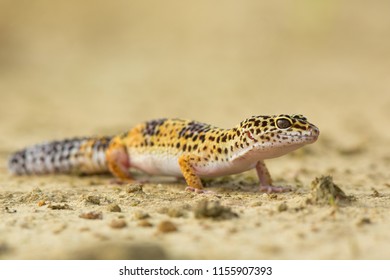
{"points": [[214, 210], [144, 223], [135, 188], [114, 208], [364, 221], [282, 207], [166, 226], [140, 215], [92, 215], [59, 207], [118, 223], [93, 199], [41, 203]]}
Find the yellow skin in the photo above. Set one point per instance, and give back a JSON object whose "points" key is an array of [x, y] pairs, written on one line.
{"points": [[175, 147]]}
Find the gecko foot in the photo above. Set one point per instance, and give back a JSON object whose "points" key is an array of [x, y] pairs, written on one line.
{"points": [[191, 189], [274, 189]]}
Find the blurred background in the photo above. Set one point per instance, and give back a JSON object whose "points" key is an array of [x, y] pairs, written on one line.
{"points": [[90, 67]]}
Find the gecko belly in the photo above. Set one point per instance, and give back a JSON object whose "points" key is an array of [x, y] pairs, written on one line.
{"points": [[165, 165], [162, 165], [215, 169]]}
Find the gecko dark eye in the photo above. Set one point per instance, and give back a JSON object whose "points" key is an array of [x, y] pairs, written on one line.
{"points": [[283, 123]]}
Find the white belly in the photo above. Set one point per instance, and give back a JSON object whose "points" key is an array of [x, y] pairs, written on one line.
{"points": [[215, 169], [153, 164], [166, 165]]}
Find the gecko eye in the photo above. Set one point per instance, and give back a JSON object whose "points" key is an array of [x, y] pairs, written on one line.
{"points": [[283, 123]]}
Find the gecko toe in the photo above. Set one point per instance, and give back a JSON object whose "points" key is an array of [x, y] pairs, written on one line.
{"points": [[199, 191]]}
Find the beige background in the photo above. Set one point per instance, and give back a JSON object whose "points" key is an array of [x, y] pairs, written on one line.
{"points": [[74, 68]]}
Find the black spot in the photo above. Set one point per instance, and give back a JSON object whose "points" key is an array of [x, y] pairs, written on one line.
{"points": [[151, 127], [300, 126], [14, 160], [219, 150], [193, 127]]}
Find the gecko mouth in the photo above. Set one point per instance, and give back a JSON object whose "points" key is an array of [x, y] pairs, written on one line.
{"points": [[306, 138], [310, 135], [310, 138]]}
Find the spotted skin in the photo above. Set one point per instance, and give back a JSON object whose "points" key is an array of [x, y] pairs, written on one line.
{"points": [[175, 147], [76, 155]]}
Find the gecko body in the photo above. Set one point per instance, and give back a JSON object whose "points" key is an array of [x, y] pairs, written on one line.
{"points": [[174, 147]]}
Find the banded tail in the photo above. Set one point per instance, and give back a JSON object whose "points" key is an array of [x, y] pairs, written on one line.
{"points": [[76, 155]]}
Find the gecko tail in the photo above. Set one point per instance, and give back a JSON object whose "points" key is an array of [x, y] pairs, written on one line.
{"points": [[77, 155]]}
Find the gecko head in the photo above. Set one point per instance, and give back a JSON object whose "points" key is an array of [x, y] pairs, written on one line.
{"points": [[279, 134]]}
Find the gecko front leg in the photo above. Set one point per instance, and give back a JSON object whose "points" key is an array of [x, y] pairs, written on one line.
{"points": [[266, 180], [193, 181]]}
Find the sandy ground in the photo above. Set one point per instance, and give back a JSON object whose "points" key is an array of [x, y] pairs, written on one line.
{"points": [[74, 69]]}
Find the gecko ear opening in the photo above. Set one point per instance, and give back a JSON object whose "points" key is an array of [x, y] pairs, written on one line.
{"points": [[250, 135]]}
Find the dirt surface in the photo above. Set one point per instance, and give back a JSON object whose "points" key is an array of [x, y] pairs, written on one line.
{"points": [[73, 69]]}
